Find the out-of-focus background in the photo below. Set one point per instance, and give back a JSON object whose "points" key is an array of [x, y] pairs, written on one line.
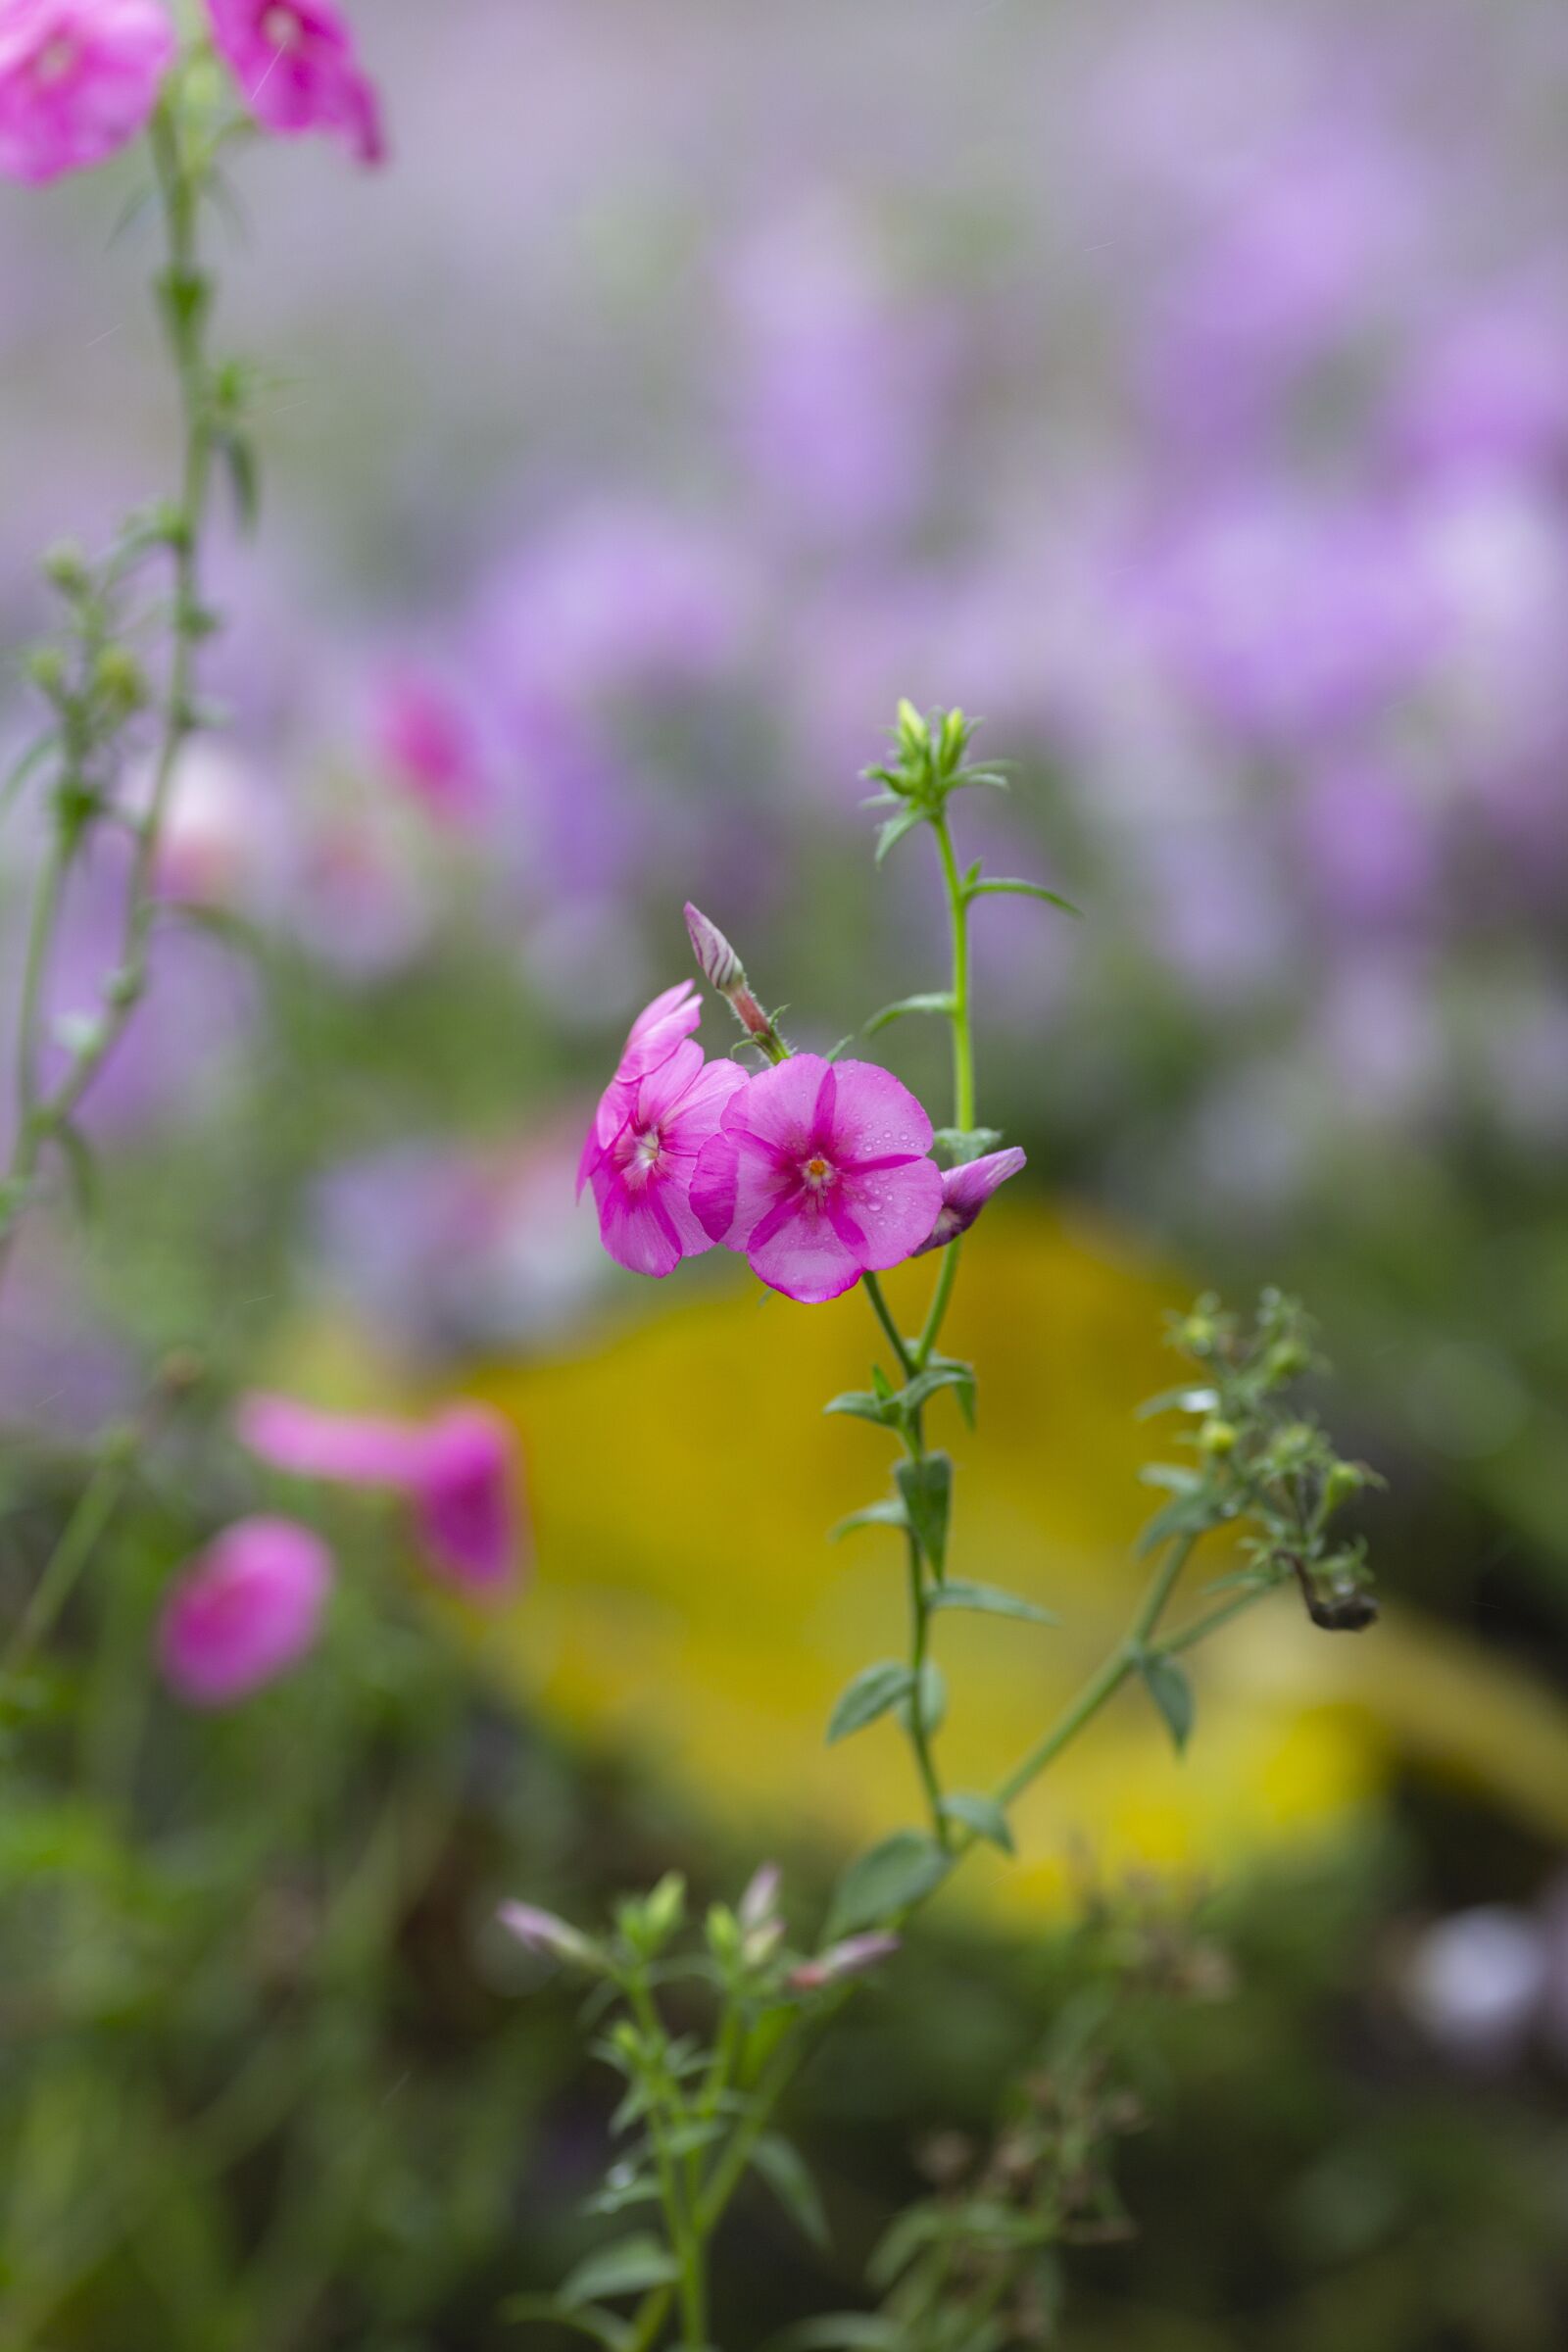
{"points": [[1183, 388]]}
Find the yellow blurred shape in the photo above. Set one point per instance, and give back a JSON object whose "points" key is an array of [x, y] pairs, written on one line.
{"points": [[689, 1608]]}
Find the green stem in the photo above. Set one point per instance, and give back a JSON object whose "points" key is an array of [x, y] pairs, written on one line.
{"points": [[680, 2223], [963, 1080], [919, 1733], [884, 1315], [78, 1541], [1187, 1637], [45, 1117]]}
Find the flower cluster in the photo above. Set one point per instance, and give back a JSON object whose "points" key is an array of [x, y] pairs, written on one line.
{"points": [[80, 78], [815, 1171]]}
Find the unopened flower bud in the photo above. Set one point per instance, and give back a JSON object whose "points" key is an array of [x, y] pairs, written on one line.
{"points": [[1217, 1438], [1342, 1481], [965, 1193], [542, 1933], [716, 959], [64, 567], [760, 1902], [119, 679], [854, 1957]]}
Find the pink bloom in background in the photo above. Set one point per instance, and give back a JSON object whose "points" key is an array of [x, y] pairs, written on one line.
{"points": [[642, 1179], [244, 1612], [819, 1175], [965, 1191], [855, 1956], [423, 734], [77, 80], [298, 70], [459, 1472], [654, 1034]]}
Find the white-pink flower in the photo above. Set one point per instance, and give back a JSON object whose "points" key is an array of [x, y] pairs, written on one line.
{"points": [[79, 78], [653, 1038], [819, 1174], [642, 1179], [245, 1611]]}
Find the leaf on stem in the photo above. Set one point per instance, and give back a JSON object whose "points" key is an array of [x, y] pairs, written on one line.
{"points": [[1184, 1399], [982, 1814], [889, 1513], [784, 2170], [991, 1600], [937, 1002], [873, 1693], [842, 2332], [1006, 885], [627, 2268], [864, 1405], [926, 1486], [1185, 1516], [602, 2326], [890, 834], [945, 1373], [933, 1702], [1172, 1694], [879, 1885]]}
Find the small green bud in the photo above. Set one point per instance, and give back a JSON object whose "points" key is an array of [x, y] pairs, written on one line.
{"points": [[954, 740], [1197, 1334], [47, 669], [1217, 1439], [723, 1934], [64, 567], [119, 679], [666, 1907], [1285, 1360], [1343, 1479]]}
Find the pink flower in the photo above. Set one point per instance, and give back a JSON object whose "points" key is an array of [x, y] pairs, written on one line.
{"points": [[423, 733], [298, 70], [544, 1934], [654, 1034], [77, 80], [459, 1472], [244, 1612], [643, 1177], [819, 1175], [965, 1191]]}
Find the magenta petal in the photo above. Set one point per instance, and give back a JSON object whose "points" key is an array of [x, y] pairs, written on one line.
{"points": [[965, 1191], [714, 1190], [635, 1229], [244, 1612], [779, 1106], [803, 1257], [895, 1209], [658, 1029], [357, 1450], [875, 1115], [466, 1499]]}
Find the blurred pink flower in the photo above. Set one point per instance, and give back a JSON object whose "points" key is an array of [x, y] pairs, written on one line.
{"points": [[77, 80], [653, 1038], [460, 1473], [247, 1609], [855, 1956], [965, 1191], [819, 1175], [642, 1179], [423, 734], [298, 70]]}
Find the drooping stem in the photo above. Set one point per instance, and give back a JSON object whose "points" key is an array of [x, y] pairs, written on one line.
{"points": [[44, 1115]]}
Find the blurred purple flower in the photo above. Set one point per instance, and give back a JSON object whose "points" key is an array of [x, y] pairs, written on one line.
{"points": [[297, 69]]}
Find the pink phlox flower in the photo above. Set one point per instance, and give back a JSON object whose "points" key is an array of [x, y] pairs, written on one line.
{"points": [[298, 69], [965, 1191], [642, 1179], [77, 80], [459, 1471], [855, 1956], [654, 1034], [245, 1611], [423, 733], [819, 1175]]}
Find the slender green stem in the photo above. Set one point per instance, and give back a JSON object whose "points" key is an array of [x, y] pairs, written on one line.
{"points": [[45, 1115], [685, 2236], [963, 1080], [884, 1315], [919, 1731], [78, 1541], [1187, 1637]]}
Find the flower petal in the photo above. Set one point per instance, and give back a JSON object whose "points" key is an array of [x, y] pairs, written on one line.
{"points": [[875, 1115], [803, 1257], [895, 1207]]}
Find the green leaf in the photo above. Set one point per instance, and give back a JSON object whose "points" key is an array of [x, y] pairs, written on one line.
{"points": [[906, 2237], [239, 459], [983, 1815], [626, 2267], [890, 834], [1184, 1515], [947, 1373], [1172, 1694], [1185, 1399], [878, 1885], [784, 2170], [889, 1513], [873, 1693], [990, 1600], [1176, 1476], [960, 1145], [602, 2326], [937, 1004], [926, 1486], [864, 1405], [933, 1700], [1008, 887], [842, 2331]]}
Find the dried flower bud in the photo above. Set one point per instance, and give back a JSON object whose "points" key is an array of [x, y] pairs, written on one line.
{"points": [[759, 1903]]}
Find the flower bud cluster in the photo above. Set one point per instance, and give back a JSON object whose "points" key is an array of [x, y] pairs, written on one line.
{"points": [[928, 764], [1263, 1461]]}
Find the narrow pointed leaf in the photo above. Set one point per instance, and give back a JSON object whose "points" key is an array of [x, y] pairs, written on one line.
{"points": [[1006, 887], [889, 1513], [983, 1815], [785, 2171], [864, 1404], [991, 1600], [873, 1693], [936, 1003], [889, 835], [1172, 1694], [627, 2268], [926, 1486]]}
